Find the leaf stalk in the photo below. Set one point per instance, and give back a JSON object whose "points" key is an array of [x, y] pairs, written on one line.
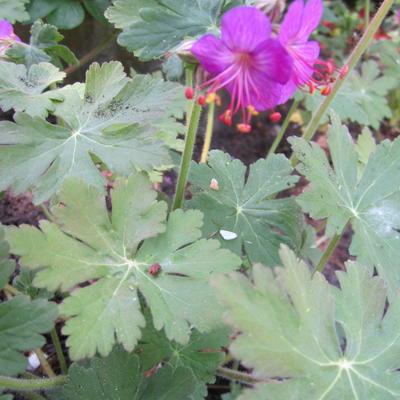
{"points": [[209, 132], [31, 384]]}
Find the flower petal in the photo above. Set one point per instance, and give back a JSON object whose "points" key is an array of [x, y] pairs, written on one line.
{"points": [[212, 53], [291, 23], [287, 92], [243, 28], [6, 29], [271, 59], [312, 14]]}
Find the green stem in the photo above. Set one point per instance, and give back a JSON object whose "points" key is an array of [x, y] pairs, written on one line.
{"points": [[12, 290], [366, 15], [44, 363], [187, 157], [33, 396], [351, 62], [236, 375], [209, 132], [284, 126], [189, 73], [92, 54], [327, 253], [60, 354], [31, 384], [46, 212]]}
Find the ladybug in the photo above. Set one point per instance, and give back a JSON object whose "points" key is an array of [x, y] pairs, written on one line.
{"points": [[154, 269]]}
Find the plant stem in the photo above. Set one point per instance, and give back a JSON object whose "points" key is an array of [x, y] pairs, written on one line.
{"points": [[236, 375], [327, 253], [31, 384], [46, 213], [189, 72], [33, 396], [284, 126], [44, 363], [92, 54], [366, 13], [187, 157], [351, 62], [60, 354], [12, 290], [209, 132]]}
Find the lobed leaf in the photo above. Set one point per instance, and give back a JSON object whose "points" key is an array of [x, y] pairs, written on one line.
{"points": [[88, 244], [7, 266], [370, 202], [13, 10], [241, 205], [289, 330]]}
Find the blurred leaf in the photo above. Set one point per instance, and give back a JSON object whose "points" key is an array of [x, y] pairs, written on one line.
{"points": [[161, 25], [24, 90], [67, 15], [294, 339], [241, 205], [101, 119], [371, 202], [97, 8], [13, 10], [120, 377], [89, 244], [173, 68], [7, 266], [21, 323]]}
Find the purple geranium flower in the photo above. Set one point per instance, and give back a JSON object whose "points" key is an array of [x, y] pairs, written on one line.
{"points": [[246, 61], [7, 36], [297, 26]]}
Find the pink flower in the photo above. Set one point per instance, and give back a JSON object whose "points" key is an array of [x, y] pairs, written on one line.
{"points": [[246, 61], [297, 26], [7, 36]]}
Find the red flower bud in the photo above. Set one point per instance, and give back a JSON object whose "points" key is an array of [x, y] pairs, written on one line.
{"points": [[189, 93], [275, 116]]}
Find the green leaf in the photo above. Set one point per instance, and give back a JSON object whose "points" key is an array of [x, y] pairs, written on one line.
{"points": [[43, 46], [89, 244], [23, 282], [290, 330], [23, 89], [164, 24], [40, 8], [120, 377], [202, 355], [100, 118], [96, 9], [13, 10], [365, 147], [7, 266], [370, 202], [21, 323], [362, 97], [68, 15], [241, 206], [173, 68]]}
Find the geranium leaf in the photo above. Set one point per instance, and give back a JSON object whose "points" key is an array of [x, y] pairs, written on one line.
{"points": [[120, 377], [100, 118], [13, 10], [23, 90], [241, 207], [160, 25], [7, 266], [362, 97], [67, 15], [370, 202], [295, 336], [21, 323], [202, 355], [90, 244]]}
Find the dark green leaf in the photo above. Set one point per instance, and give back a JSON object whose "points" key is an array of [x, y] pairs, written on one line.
{"points": [[68, 15], [96, 8]]}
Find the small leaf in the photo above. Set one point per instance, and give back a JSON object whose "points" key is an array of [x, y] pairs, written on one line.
{"points": [[89, 244], [240, 206], [160, 25], [294, 338], [7, 266], [370, 202], [24, 90], [21, 323], [120, 377], [68, 15]]}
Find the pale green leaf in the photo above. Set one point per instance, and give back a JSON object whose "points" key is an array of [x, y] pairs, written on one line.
{"points": [[7, 266], [370, 202], [102, 121], [288, 330], [161, 25], [24, 90], [13, 10], [120, 377], [241, 206], [87, 243], [21, 323], [365, 146]]}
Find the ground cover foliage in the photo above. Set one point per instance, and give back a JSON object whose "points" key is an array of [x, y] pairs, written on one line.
{"points": [[219, 291]]}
